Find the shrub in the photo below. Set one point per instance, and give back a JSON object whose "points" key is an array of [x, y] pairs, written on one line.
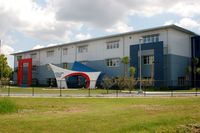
{"points": [[7, 106]]}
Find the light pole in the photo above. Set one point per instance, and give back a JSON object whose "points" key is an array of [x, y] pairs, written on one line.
{"points": [[140, 49]]}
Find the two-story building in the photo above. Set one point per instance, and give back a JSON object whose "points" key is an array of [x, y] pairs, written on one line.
{"points": [[166, 51]]}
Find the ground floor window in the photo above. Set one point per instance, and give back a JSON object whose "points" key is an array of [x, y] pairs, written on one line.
{"points": [[148, 60], [114, 62]]}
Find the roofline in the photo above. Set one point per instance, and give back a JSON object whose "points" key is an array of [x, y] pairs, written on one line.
{"points": [[115, 35]]}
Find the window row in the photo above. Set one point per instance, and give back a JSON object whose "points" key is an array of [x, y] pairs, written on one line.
{"points": [[151, 38], [113, 45]]}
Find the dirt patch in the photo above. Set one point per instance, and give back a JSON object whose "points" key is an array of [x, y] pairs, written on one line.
{"points": [[189, 128]]}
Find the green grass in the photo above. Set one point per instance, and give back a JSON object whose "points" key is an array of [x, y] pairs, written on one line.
{"points": [[101, 115], [7, 106]]}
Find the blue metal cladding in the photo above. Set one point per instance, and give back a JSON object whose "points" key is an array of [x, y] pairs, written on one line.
{"points": [[196, 54], [77, 66], [196, 46], [158, 58]]}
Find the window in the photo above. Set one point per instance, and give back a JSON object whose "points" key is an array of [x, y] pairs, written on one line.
{"points": [[83, 49], [115, 62], [147, 60], [65, 65], [113, 45], [50, 53], [65, 51], [151, 38], [19, 58], [33, 56]]}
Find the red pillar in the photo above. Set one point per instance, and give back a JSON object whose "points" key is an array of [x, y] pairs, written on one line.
{"points": [[20, 71]]}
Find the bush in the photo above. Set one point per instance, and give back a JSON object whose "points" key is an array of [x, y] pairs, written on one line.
{"points": [[7, 106]]}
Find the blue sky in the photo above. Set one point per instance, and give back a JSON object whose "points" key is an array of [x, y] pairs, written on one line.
{"points": [[31, 24]]}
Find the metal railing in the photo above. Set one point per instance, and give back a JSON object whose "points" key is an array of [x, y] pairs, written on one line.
{"points": [[119, 87]]}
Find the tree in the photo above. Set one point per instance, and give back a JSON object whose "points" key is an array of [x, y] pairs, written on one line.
{"points": [[198, 70], [107, 83], [188, 71], [5, 70], [132, 71], [125, 61]]}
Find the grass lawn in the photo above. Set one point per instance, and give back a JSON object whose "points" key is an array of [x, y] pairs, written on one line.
{"points": [[101, 115]]}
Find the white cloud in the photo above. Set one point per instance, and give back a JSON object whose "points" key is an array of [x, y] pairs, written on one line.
{"points": [[188, 23], [81, 36], [169, 22], [7, 50], [185, 8], [38, 46], [119, 28]]}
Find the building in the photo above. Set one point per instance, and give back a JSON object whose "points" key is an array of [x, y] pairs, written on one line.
{"points": [[166, 52]]}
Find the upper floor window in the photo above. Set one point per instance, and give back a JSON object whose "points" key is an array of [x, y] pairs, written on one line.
{"points": [[65, 51], [33, 55], [148, 60], [151, 38], [50, 53], [83, 49], [19, 58], [113, 45], [114, 62]]}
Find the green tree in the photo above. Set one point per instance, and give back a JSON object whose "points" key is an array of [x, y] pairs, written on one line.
{"points": [[5, 70], [125, 61], [132, 71], [188, 71], [198, 70]]}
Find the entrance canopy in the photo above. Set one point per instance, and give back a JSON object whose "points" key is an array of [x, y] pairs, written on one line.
{"points": [[61, 74]]}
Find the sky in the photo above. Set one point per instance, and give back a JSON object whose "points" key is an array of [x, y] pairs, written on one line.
{"points": [[32, 24]]}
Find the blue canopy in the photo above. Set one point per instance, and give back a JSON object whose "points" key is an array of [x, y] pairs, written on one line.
{"points": [[77, 66]]}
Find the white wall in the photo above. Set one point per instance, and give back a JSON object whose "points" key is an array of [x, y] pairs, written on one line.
{"points": [[179, 43], [70, 57]]}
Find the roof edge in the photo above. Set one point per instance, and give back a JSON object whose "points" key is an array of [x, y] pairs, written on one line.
{"points": [[114, 35]]}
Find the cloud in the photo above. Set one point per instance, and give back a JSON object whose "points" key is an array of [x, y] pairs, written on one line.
{"points": [[81, 36], [119, 27], [99, 13], [6, 50], [185, 8], [169, 22], [187, 23], [38, 46], [58, 20]]}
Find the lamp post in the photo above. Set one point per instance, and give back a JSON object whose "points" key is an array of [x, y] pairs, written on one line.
{"points": [[140, 54]]}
